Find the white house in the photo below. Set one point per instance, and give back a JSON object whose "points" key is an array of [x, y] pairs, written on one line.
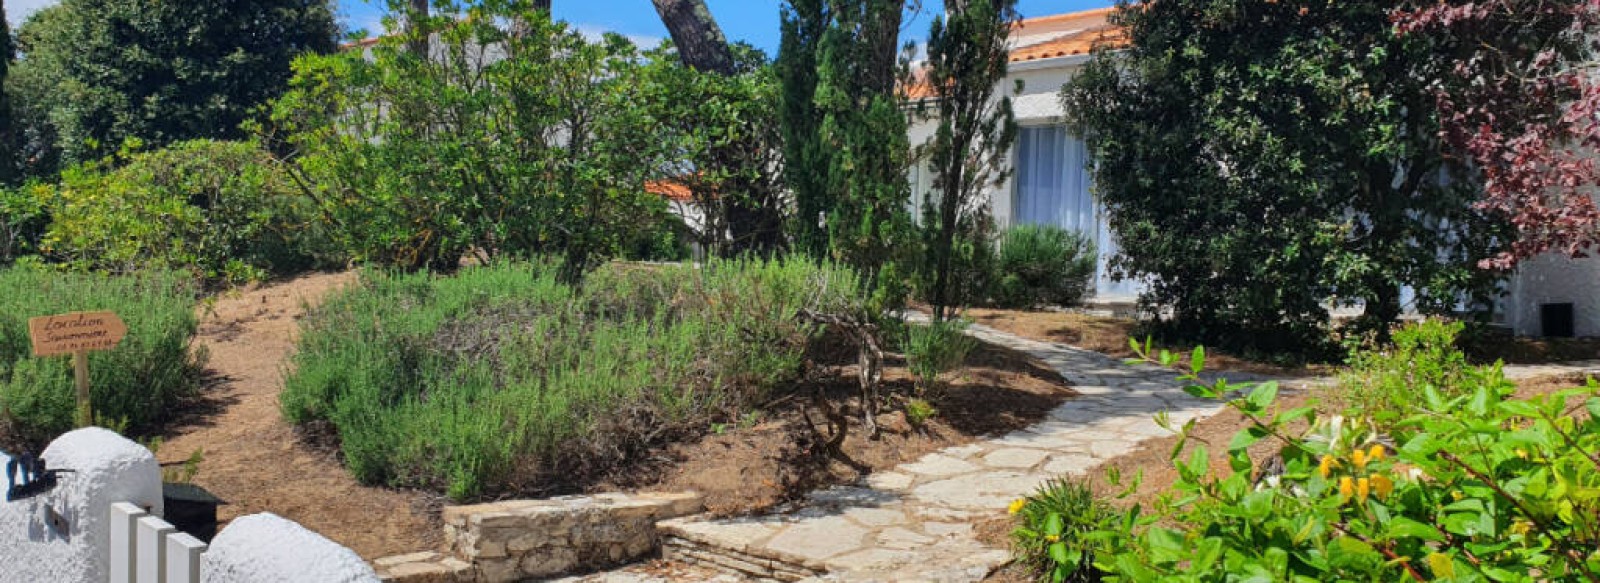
{"points": [[1547, 296], [1051, 183]]}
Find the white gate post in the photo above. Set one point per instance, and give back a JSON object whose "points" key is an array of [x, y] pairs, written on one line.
{"points": [[183, 558], [124, 553], [151, 547]]}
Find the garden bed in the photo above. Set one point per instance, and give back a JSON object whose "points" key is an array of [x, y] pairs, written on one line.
{"points": [[1110, 335], [743, 458]]}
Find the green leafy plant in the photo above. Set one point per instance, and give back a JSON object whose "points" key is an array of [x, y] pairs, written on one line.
{"points": [[546, 151], [22, 223], [1054, 521], [1478, 486], [1040, 265], [502, 377], [934, 349], [179, 473], [223, 210], [919, 412], [1390, 383], [137, 384]]}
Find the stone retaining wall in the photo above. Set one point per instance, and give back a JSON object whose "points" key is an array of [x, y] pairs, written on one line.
{"points": [[528, 539]]}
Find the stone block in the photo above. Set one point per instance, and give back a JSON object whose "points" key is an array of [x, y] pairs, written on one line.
{"points": [[549, 562]]}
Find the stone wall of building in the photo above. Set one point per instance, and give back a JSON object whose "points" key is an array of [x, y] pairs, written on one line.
{"points": [[529, 539]]}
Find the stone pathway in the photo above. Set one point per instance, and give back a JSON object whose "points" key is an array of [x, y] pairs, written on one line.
{"points": [[916, 523]]}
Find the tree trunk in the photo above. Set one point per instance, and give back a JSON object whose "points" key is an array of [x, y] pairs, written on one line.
{"points": [[755, 226], [419, 38], [700, 42], [883, 35]]}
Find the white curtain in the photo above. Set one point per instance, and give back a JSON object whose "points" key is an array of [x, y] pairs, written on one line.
{"points": [[1053, 187]]}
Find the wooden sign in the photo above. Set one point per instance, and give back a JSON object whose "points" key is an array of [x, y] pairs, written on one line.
{"points": [[69, 333], [76, 334]]}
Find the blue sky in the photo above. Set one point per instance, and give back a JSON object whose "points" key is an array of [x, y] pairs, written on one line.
{"points": [[752, 21]]}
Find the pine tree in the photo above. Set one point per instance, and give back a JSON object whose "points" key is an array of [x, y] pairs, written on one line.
{"points": [[967, 60], [850, 136]]}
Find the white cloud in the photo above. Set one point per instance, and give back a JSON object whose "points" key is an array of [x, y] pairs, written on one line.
{"points": [[18, 11], [594, 32]]}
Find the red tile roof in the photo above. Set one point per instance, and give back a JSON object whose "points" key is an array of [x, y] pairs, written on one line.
{"points": [[1079, 32], [672, 190]]}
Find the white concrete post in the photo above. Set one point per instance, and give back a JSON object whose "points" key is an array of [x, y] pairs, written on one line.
{"points": [[152, 535], [183, 558], [124, 556]]}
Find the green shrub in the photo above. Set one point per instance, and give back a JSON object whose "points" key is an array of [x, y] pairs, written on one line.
{"points": [[501, 174], [1390, 383], [936, 348], [22, 222], [1043, 265], [972, 272], [134, 385], [223, 210], [501, 378], [1476, 487], [919, 412], [1054, 519]]}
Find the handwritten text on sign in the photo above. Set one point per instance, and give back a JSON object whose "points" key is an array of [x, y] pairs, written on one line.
{"points": [[69, 333]]}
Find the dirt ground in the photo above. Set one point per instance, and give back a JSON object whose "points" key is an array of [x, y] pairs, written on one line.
{"points": [[256, 462], [253, 460], [778, 459], [1108, 335]]}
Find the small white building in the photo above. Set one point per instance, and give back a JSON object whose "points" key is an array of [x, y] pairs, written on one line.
{"points": [[1547, 296]]}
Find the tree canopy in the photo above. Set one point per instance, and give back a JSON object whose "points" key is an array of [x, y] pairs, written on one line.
{"points": [[1260, 160], [95, 73], [1520, 101]]}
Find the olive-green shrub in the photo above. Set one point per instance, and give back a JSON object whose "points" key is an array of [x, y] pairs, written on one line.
{"points": [[502, 379], [134, 386], [1039, 265], [222, 210]]}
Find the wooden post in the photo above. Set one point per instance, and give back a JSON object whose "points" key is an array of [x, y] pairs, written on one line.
{"points": [[80, 369]]}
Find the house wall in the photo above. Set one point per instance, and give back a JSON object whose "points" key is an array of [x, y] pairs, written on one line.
{"points": [[1038, 103], [1554, 278]]}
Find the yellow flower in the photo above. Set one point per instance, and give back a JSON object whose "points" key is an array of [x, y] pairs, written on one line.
{"points": [[1376, 453], [1363, 487], [1327, 465], [1441, 565], [1521, 527], [1052, 538], [1359, 460], [1016, 506], [1522, 453], [1456, 494], [1382, 486], [1347, 488]]}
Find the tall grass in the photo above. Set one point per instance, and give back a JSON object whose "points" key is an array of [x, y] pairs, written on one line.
{"points": [[135, 384], [501, 378]]}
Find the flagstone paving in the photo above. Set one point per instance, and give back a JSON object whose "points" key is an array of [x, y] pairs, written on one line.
{"points": [[915, 523]]}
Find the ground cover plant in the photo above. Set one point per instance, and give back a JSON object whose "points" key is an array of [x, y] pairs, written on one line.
{"points": [[502, 378], [1465, 483], [134, 386]]}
